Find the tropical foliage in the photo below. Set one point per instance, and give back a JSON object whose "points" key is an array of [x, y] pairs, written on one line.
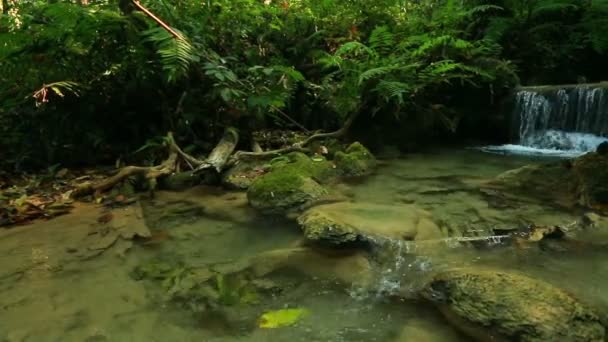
{"points": [[91, 80]]}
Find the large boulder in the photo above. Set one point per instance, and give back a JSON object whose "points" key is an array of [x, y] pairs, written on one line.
{"points": [[278, 193], [582, 181], [292, 183], [348, 222], [495, 306]]}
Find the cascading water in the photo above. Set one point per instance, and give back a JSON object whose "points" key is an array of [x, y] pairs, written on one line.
{"points": [[566, 121]]}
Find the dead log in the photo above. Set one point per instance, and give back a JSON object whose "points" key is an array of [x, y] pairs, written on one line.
{"points": [[220, 155], [216, 161]]}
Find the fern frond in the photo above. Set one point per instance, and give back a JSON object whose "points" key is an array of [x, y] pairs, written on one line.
{"points": [[482, 9], [354, 49], [431, 45], [176, 54], [392, 90], [376, 72], [382, 40]]}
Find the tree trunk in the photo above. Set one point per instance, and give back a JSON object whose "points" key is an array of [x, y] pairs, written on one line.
{"points": [[219, 156]]}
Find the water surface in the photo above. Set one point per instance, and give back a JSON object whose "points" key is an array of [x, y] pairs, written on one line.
{"points": [[51, 291]]}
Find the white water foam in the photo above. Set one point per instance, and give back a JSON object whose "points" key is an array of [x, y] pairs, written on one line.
{"points": [[551, 143]]}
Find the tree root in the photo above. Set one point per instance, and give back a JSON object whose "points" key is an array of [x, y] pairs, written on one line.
{"points": [[217, 160], [297, 147], [221, 156]]}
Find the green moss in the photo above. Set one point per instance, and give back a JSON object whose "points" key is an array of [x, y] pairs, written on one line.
{"points": [[355, 161], [276, 184], [512, 305], [299, 163], [282, 190]]}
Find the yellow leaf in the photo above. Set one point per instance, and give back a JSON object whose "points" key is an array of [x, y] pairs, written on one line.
{"points": [[281, 318]]}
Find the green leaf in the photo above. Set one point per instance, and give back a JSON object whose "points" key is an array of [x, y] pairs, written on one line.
{"points": [[281, 318]]}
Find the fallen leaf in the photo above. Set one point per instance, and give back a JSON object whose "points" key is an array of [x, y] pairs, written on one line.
{"points": [[281, 318]]}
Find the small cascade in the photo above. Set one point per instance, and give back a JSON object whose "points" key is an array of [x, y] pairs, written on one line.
{"points": [[402, 266], [559, 120]]}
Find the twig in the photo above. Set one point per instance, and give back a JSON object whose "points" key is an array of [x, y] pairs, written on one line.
{"points": [[158, 20]]}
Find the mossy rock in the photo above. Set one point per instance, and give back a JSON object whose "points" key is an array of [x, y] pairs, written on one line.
{"points": [[292, 183], [355, 161], [243, 174], [316, 167], [498, 306], [282, 191], [582, 181]]}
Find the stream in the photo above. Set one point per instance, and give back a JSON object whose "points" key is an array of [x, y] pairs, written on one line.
{"points": [[53, 291]]}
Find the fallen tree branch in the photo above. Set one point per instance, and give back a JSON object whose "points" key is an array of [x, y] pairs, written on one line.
{"points": [[216, 161], [301, 146], [151, 173], [220, 155]]}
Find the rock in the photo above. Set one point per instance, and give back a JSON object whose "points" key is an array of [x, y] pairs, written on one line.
{"points": [[291, 183], [582, 181], [602, 148], [347, 222], [494, 305], [591, 219], [242, 175], [356, 161], [280, 193], [348, 268], [171, 209], [591, 178]]}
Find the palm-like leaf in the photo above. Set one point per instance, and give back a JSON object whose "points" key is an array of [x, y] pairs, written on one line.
{"points": [[176, 53]]}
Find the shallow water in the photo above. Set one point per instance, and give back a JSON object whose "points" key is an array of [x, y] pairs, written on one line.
{"points": [[52, 291]]}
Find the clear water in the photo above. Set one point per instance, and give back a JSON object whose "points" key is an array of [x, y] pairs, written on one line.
{"points": [[51, 293]]}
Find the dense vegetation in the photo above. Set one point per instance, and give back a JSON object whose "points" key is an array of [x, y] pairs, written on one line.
{"points": [[92, 81]]}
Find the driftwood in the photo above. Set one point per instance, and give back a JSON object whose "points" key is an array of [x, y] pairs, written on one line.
{"points": [[216, 161], [221, 156]]}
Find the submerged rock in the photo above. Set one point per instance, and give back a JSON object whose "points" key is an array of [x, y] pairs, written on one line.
{"points": [[179, 181], [496, 306], [346, 222], [348, 268]]}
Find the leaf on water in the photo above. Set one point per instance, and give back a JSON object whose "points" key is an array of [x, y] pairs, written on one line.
{"points": [[281, 318]]}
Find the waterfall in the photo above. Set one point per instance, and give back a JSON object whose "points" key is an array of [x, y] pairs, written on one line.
{"points": [[560, 120]]}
